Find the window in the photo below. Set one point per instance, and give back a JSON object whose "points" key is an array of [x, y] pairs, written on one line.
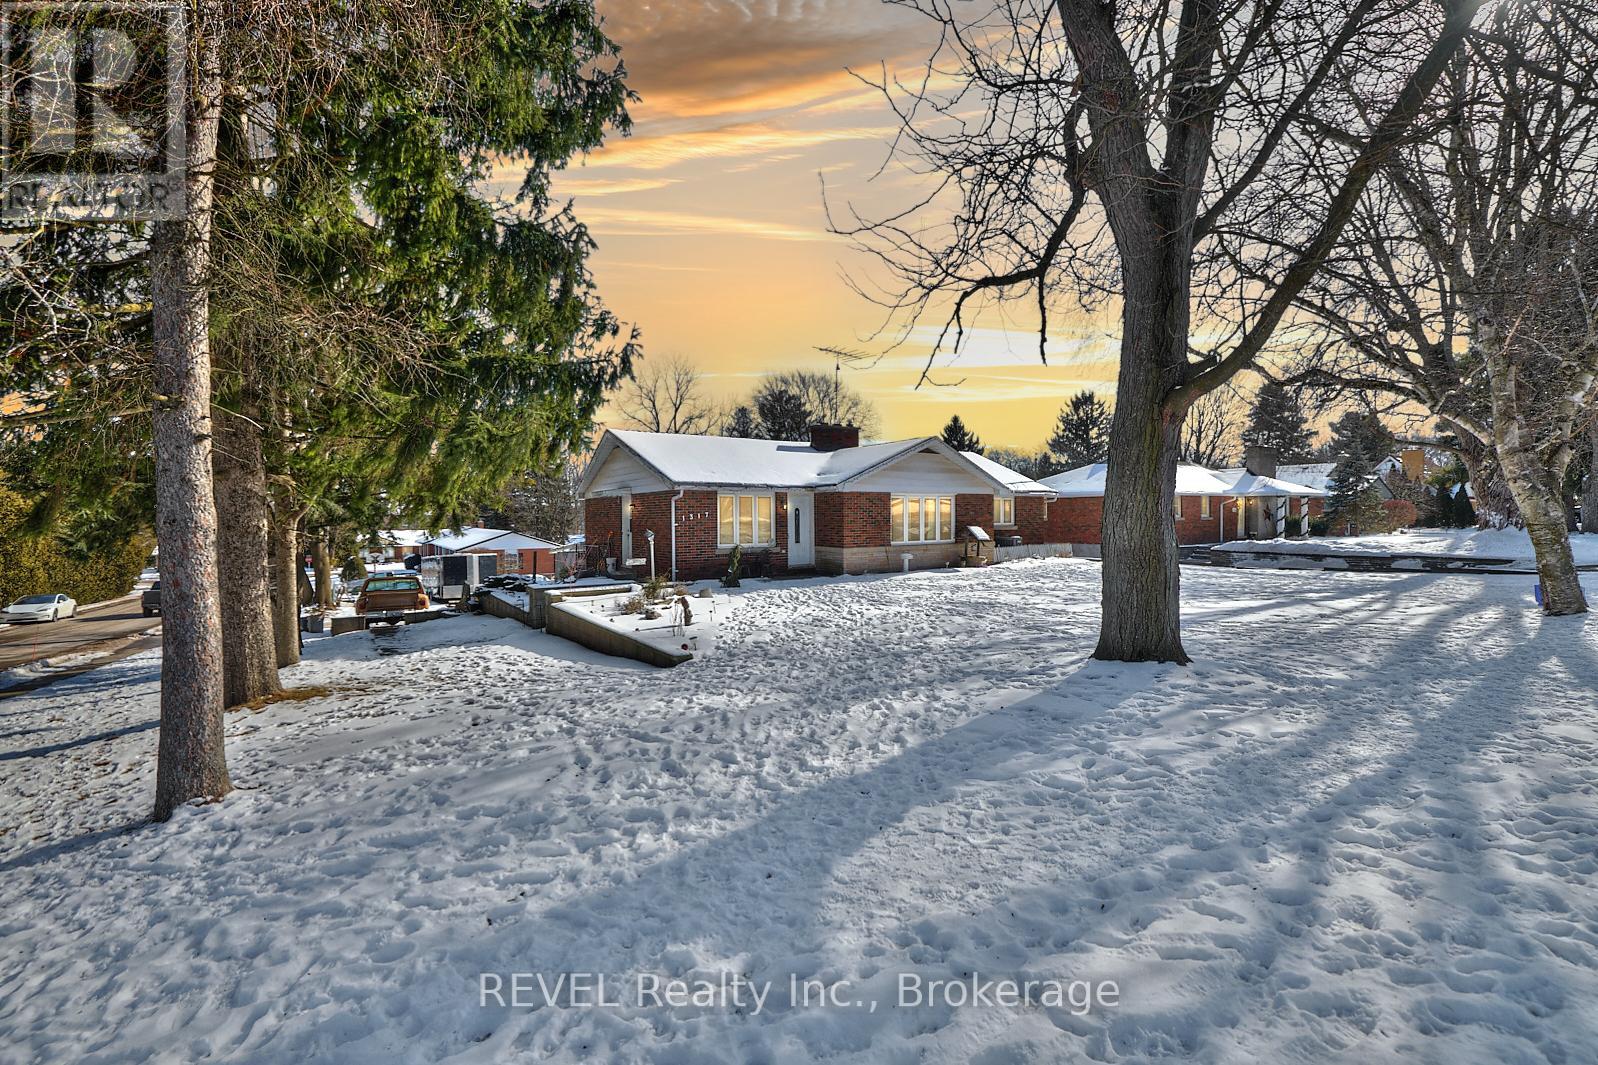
{"points": [[743, 520], [1204, 506], [1004, 510], [922, 519]]}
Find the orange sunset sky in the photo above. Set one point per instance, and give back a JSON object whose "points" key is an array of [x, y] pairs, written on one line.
{"points": [[711, 226]]}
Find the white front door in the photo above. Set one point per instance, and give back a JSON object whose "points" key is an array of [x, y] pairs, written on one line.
{"points": [[801, 529]]}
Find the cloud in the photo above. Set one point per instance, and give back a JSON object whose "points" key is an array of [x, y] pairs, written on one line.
{"points": [[566, 185], [713, 57], [631, 222], [732, 140]]}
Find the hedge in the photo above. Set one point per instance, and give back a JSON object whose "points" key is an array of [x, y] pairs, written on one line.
{"points": [[36, 565]]}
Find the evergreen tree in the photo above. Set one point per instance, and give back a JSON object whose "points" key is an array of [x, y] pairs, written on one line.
{"points": [[1082, 431], [741, 423], [1464, 511], [783, 415], [1277, 421], [957, 436], [1359, 444]]}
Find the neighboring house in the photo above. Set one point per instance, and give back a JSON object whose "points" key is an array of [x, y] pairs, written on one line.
{"points": [[517, 552], [1077, 516], [1212, 506], [832, 505]]}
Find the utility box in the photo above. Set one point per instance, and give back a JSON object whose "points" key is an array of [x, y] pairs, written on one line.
{"points": [[460, 575]]}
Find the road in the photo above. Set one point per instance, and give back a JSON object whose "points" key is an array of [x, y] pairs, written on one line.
{"points": [[21, 644]]}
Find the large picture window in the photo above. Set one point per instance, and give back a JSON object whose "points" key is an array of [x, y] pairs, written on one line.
{"points": [[922, 519], [1004, 510], [743, 520]]}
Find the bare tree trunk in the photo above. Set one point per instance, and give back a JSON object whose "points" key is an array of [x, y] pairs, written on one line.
{"points": [[1589, 498], [1544, 515], [249, 648], [322, 563], [1141, 580], [1532, 480], [286, 575], [190, 761]]}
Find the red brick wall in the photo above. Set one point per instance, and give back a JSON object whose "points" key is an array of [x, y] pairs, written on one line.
{"points": [[1191, 528], [602, 525], [698, 557], [852, 519], [1076, 521], [1031, 519], [973, 509]]}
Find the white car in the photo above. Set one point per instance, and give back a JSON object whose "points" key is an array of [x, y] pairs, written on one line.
{"points": [[40, 608]]}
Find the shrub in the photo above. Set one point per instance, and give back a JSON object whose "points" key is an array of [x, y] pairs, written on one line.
{"points": [[655, 587], [39, 564], [735, 565], [1398, 514], [1320, 525]]}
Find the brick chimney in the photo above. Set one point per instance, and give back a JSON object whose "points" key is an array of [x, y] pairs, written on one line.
{"points": [[1414, 460], [824, 437], [1260, 460]]}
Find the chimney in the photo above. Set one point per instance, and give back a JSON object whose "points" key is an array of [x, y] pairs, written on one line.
{"points": [[1414, 460], [1260, 460], [824, 437]]}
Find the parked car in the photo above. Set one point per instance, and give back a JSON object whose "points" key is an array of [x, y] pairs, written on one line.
{"points": [[40, 608], [392, 594], [151, 599]]}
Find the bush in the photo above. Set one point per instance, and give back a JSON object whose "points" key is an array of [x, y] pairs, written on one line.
{"points": [[1398, 514], [1293, 527], [735, 565], [1320, 525], [40, 564], [655, 587]]}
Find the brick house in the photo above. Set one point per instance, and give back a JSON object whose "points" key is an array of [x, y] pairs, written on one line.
{"points": [[518, 553], [1212, 506], [832, 505]]}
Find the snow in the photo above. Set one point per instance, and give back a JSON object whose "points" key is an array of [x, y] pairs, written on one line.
{"points": [[698, 637], [487, 540], [1255, 484], [1362, 828], [1088, 481], [1016, 482], [1490, 543]]}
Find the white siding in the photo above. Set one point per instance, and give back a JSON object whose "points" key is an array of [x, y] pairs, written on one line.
{"points": [[924, 472], [622, 472]]}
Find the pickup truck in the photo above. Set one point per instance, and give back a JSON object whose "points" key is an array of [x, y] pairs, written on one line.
{"points": [[391, 595], [151, 599]]}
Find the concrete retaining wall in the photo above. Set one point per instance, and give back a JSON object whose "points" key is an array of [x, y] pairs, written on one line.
{"points": [[573, 624]]}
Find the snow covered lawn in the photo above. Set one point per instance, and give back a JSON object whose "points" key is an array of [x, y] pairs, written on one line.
{"points": [[1363, 828], [1492, 543]]}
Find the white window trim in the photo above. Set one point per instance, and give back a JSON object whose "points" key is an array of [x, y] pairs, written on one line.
{"points": [[894, 534], [722, 545], [1004, 524]]}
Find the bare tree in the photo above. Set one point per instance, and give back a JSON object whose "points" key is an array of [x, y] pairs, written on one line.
{"points": [[826, 397], [1082, 146], [668, 397], [1467, 282], [1212, 433]]}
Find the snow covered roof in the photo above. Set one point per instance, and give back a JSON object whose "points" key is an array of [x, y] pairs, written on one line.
{"points": [[487, 539], [402, 537], [723, 461], [1310, 474], [1086, 481], [1254, 484], [1018, 483]]}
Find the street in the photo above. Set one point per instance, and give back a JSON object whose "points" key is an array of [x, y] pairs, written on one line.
{"points": [[21, 644]]}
